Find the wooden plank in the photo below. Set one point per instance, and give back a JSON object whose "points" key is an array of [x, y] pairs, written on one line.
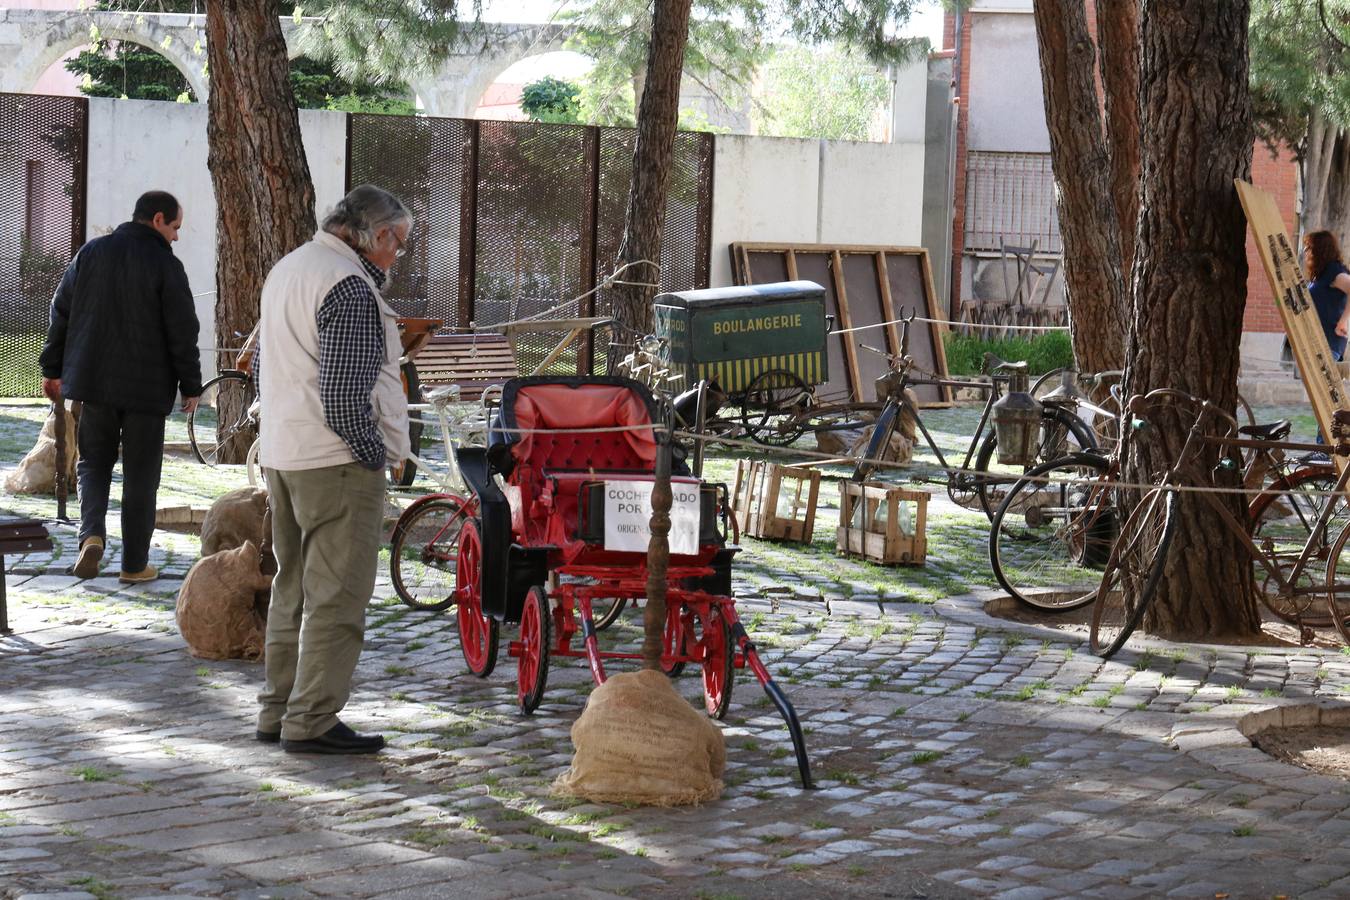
{"points": [[845, 323], [887, 304], [1316, 365], [791, 266]]}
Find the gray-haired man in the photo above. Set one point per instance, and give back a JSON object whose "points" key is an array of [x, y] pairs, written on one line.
{"points": [[333, 414]]}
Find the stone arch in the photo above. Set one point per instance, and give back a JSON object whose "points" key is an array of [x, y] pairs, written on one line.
{"points": [[40, 49], [493, 76]]}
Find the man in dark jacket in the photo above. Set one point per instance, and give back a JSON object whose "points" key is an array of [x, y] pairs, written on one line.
{"points": [[123, 339]]}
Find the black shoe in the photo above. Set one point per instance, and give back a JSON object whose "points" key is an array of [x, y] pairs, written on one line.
{"points": [[268, 737], [338, 739]]}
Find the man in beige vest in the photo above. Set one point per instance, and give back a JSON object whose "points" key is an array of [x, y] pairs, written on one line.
{"points": [[334, 414]]}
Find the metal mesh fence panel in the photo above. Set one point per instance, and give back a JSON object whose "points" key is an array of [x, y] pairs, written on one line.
{"points": [[534, 224], [515, 220], [425, 163], [43, 145], [686, 241]]}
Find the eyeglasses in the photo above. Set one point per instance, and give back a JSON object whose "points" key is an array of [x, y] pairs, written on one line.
{"points": [[402, 243]]}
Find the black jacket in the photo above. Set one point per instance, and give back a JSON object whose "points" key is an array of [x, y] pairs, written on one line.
{"points": [[123, 326]]}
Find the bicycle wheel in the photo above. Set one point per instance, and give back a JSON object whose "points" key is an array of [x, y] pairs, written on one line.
{"points": [[1338, 584], [1062, 433], [606, 610], [220, 428], [256, 476], [1282, 519], [882, 430], [1047, 382], [1131, 576], [1053, 533], [424, 549], [770, 407]]}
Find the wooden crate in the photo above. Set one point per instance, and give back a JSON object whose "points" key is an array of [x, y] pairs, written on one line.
{"points": [[776, 502], [871, 526]]}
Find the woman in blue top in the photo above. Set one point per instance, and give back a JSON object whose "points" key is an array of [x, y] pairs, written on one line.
{"points": [[1329, 283]]}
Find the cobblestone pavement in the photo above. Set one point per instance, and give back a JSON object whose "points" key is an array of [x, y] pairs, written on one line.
{"points": [[957, 754]]}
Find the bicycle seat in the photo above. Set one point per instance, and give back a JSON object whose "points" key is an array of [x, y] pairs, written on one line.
{"points": [[993, 364], [1275, 431]]}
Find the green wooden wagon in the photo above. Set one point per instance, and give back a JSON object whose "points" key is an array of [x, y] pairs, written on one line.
{"points": [[763, 345]]}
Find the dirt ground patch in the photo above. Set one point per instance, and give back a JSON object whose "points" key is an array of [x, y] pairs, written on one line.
{"points": [[1324, 749]]}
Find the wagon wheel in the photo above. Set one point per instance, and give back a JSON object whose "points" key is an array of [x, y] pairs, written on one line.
{"points": [[536, 634], [718, 668], [477, 632], [675, 644], [771, 407]]}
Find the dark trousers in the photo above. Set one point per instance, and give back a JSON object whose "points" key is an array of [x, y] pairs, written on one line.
{"points": [[140, 437]]}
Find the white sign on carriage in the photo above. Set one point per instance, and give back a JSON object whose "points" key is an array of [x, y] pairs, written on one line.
{"points": [[628, 512]]}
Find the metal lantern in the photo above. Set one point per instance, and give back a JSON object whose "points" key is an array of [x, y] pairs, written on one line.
{"points": [[1068, 393], [1017, 422]]}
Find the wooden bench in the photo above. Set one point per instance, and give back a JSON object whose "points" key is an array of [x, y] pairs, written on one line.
{"points": [[474, 362], [18, 536]]}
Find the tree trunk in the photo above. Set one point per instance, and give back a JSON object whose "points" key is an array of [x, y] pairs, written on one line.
{"points": [[656, 119], [1190, 288], [1118, 40], [264, 197], [1088, 221], [1326, 178]]}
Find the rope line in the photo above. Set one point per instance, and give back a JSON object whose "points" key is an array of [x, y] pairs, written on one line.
{"points": [[951, 324]]}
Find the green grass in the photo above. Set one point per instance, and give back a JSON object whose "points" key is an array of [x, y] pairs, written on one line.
{"points": [[90, 884], [91, 773], [965, 353], [925, 756]]}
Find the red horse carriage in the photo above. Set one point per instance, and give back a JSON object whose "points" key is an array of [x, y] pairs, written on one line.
{"points": [[559, 523]]}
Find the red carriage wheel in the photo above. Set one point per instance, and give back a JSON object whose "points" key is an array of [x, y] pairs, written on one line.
{"points": [[477, 632], [718, 670], [536, 627]]}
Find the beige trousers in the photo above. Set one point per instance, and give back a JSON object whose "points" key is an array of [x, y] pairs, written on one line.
{"points": [[326, 529]]}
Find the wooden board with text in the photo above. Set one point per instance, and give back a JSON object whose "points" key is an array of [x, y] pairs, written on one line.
{"points": [[1316, 366]]}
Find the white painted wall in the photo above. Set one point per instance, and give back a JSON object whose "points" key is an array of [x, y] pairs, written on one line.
{"points": [[141, 145], [810, 191], [764, 189], [1006, 109]]}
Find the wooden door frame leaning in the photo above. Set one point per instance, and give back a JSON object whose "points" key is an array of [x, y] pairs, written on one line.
{"points": [[1317, 367], [875, 273]]}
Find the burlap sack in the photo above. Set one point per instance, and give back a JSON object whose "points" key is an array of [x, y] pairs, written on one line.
{"points": [[638, 741], [216, 611], [36, 473], [234, 518]]}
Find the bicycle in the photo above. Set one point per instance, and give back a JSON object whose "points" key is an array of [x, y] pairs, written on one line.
{"points": [[1062, 430], [227, 410], [1052, 535], [1138, 557]]}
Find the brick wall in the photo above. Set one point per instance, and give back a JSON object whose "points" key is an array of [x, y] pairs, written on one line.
{"points": [[1279, 176]]}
